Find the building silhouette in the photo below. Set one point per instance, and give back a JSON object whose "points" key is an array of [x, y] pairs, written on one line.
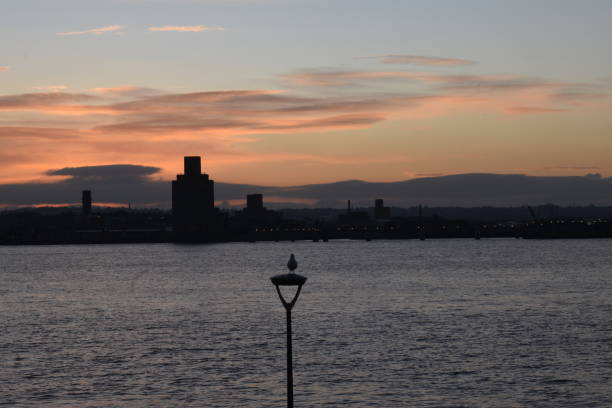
{"points": [[86, 203], [254, 203], [85, 207], [352, 217], [254, 216], [193, 202], [380, 211]]}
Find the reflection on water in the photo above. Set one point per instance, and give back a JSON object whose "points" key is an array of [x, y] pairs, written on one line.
{"points": [[490, 323]]}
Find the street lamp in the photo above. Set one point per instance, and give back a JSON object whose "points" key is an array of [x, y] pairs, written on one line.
{"points": [[289, 279]]}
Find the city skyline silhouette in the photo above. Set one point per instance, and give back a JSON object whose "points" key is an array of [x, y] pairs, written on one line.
{"points": [[196, 217], [137, 186]]}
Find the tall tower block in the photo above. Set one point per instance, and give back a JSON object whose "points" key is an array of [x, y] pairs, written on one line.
{"points": [[192, 165], [193, 199]]}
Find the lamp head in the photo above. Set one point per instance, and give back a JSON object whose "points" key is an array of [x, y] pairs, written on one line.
{"points": [[289, 279]]}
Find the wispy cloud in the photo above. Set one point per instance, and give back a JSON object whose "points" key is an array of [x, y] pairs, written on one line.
{"points": [[56, 103], [582, 94], [532, 109], [4, 68], [115, 89], [574, 168], [413, 175], [126, 91], [38, 99], [190, 29], [98, 31], [341, 78], [463, 83], [421, 60], [10, 134], [51, 88]]}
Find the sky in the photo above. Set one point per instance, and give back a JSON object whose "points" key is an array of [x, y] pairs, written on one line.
{"points": [[293, 92]]}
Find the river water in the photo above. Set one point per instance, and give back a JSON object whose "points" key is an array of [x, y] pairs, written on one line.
{"points": [[436, 323]]}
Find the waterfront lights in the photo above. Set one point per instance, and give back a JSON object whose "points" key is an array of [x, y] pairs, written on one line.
{"points": [[289, 279]]}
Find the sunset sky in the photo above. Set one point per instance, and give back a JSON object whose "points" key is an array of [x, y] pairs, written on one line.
{"points": [[288, 92]]}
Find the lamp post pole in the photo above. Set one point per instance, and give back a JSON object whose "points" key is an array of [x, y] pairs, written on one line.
{"points": [[289, 279], [289, 362]]}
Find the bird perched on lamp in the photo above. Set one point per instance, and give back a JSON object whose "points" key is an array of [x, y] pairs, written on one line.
{"points": [[292, 264]]}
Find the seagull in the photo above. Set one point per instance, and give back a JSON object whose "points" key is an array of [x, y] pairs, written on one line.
{"points": [[292, 264]]}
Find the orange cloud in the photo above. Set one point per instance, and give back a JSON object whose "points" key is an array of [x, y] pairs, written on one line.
{"points": [[147, 111], [22, 132], [115, 89], [233, 113], [55, 103], [133, 124], [97, 31], [97, 204], [42, 99], [191, 29]]}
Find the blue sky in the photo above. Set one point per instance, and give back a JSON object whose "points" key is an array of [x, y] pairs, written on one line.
{"points": [[560, 39]]}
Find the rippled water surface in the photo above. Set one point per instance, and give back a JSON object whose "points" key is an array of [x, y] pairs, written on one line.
{"points": [[439, 323]]}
